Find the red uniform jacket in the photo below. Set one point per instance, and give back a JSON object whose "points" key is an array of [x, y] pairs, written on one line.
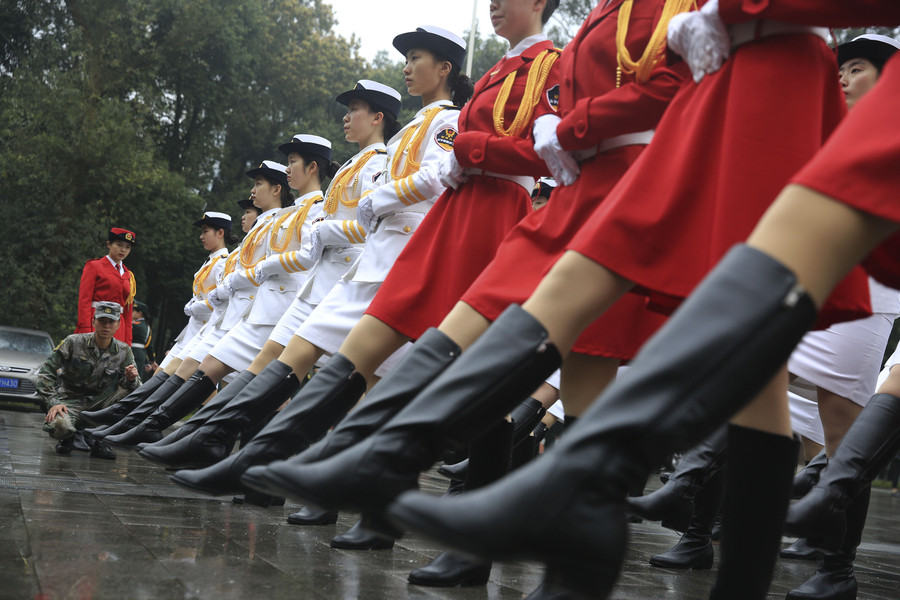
{"points": [[100, 281], [825, 13]]}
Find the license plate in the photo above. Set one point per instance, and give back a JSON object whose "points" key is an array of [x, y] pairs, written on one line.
{"points": [[9, 382]]}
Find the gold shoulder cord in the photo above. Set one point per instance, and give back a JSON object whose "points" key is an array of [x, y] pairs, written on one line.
{"points": [[298, 218], [410, 144], [338, 190], [133, 292], [201, 276], [251, 243], [656, 47], [231, 262], [538, 73]]}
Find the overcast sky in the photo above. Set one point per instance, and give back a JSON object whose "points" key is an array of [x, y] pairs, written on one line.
{"points": [[376, 23]]}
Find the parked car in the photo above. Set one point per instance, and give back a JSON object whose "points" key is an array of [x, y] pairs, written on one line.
{"points": [[22, 351]]}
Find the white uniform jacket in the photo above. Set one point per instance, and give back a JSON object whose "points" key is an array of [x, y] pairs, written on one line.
{"points": [[205, 280], [258, 237], [401, 202]]}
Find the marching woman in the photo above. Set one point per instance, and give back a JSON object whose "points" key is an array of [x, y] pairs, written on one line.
{"points": [[281, 225], [107, 279], [725, 344], [372, 111]]}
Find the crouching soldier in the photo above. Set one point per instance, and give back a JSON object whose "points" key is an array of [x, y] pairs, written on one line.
{"points": [[87, 371]]}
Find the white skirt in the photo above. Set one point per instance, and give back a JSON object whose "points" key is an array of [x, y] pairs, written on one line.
{"points": [[291, 320], [241, 344], [338, 312], [200, 348], [845, 358], [803, 402]]}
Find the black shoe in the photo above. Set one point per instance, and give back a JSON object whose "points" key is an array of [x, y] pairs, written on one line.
{"points": [[180, 404], [65, 447], [432, 353], [801, 550], [209, 409], [674, 502], [566, 509], [359, 538], [80, 443], [808, 475], [325, 399], [213, 440], [134, 418], [264, 500], [309, 515], [450, 569], [866, 448], [503, 367], [116, 412], [99, 448]]}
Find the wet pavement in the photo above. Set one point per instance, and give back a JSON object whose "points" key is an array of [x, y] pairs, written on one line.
{"points": [[80, 527]]}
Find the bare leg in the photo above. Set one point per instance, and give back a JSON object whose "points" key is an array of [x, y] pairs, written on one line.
{"points": [[574, 293], [769, 410], [214, 368], [270, 351], [837, 414], [891, 385], [186, 368], [810, 449], [464, 325], [300, 355], [584, 377], [369, 344], [547, 395], [172, 367]]}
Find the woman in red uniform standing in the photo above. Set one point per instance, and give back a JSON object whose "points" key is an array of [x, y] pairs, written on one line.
{"points": [[108, 279]]}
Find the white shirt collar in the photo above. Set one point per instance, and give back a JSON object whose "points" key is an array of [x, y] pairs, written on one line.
{"points": [[527, 43], [118, 266], [267, 214], [303, 198], [432, 105], [219, 252]]}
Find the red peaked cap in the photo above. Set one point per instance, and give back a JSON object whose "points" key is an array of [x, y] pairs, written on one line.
{"points": [[118, 234]]}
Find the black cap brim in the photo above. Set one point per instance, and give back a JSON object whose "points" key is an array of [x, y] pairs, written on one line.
{"points": [[868, 49], [432, 42], [276, 176], [245, 204], [378, 101]]}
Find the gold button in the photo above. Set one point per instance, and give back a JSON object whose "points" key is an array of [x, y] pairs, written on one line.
{"points": [[407, 229], [281, 288], [346, 259], [251, 297]]}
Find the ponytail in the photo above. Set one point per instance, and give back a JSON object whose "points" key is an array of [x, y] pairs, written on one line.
{"points": [[461, 87]]}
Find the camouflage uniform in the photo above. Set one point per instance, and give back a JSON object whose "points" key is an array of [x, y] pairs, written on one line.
{"points": [[84, 377]]}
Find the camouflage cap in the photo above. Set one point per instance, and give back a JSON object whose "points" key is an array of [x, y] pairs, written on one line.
{"points": [[107, 310]]}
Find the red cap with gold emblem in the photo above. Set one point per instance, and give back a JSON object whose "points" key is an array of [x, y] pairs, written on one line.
{"points": [[117, 234]]}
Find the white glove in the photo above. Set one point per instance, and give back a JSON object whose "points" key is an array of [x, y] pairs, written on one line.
{"points": [[316, 246], [187, 307], [237, 280], [561, 163], [218, 296], [450, 172], [199, 310], [365, 214], [701, 38], [265, 269]]}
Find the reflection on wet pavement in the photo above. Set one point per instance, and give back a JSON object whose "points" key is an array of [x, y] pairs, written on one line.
{"points": [[77, 527]]}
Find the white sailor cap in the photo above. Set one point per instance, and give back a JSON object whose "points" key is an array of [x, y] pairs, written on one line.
{"points": [[306, 144], [379, 96], [869, 46], [444, 43], [107, 310], [272, 170], [216, 220], [544, 187]]}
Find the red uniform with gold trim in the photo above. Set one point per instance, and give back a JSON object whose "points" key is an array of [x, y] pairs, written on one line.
{"points": [[461, 232], [721, 154], [100, 281], [593, 110]]}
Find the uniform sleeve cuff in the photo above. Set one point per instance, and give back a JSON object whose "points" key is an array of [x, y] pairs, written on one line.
{"points": [[471, 148], [573, 131]]}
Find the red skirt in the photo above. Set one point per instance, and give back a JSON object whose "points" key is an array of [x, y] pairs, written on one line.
{"points": [[860, 166], [722, 152], [537, 242], [457, 239]]}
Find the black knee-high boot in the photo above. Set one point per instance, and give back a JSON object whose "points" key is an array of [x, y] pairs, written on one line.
{"points": [[694, 550], [185, 400], [757, 492], [325, 399], [566, 509], [247, 411], [835, 579], [502, 368], [674, 502], [116, 412], [132, 419], [867, 447], [206, 411], [808, 475]]}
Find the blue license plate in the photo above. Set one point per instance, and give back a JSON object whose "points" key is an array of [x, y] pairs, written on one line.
{"points": [[9, 382]]}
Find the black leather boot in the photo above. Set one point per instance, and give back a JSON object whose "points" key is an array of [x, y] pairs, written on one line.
{"points": [[503, 367], [183, 402], [200, 417], [99, 448], [802, 549], [757, 492], [432, 353], [213, 440], [808, 475], [867, 447], [673, 503], [567, 508], [311, 515], [695, 550], [132, 419], [116, 412], [451, 569], [325, 399], [835, 579], [360, 538]]}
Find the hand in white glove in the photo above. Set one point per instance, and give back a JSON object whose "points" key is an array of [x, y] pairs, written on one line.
{"points": [[561, 163], [450, 173], [199, 310], [265, 269], [365, 214], [218, 296], [187, 307], [237, 280], [701, 38], [316, 246]]}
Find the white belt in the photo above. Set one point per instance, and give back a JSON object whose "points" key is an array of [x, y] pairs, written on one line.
{"points": [[754, 30], [526, 182], [641, 138], [133, 345]]}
